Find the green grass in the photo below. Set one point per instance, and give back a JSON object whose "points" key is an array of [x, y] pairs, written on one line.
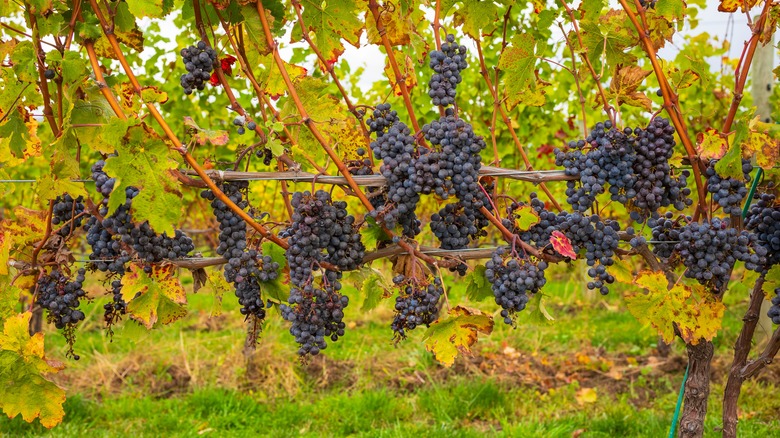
{"points": [[366, 386]]}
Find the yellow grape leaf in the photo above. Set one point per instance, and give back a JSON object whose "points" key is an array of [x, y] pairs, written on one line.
{"points": [[327, 23], [22, 368], [622, 271], [156, 297], [771, 282], [202, 136], [456, 334], [406, 67], [220, 286], [711, 145], [518, 61], [586, 396], [49, 188], [625, 82], [26, 227], [763, 142], [664, 308], [733, 5]]}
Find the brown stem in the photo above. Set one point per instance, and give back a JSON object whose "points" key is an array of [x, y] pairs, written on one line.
{"points": [[767, 356], [177, 145], [373, 6], [596, 77], [437, 24], [671, 105], [46, 235], [102, 86], [329, 68], [741, 351], [697, 389], [741, 73], [234, 105], [505, 117], [40, 57]]}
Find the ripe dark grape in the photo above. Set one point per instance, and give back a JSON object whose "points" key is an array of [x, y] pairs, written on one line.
{"points": [[514, 280], [245, 266], [417, 303], [394, 145], [763, 219], [114, 310], [199, 62], [154, 248], [49, 73], [666, 235], [64, 209], [728, 192], [447, 64], [251, 126]]}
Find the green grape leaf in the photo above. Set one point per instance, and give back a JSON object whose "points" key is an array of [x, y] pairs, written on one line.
{"points": [[253, 29], [203, 136], [663, 308], [153, 95], [372, 285], [520, 82], [610, 37], [146, 8], [536, 313], [144, 161], [15, 135], [476, 17], [456, 334], [276, 253], [156, 297], [23, 367], [372, 233], [329, 22], [525, 218], [730, 166], [670, 10], [23, 62], [74, 67], [49, 187], [477, 285], [276, 291]]}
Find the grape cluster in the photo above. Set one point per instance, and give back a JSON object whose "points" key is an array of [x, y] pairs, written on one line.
{"points": [[774, 311], [605, 157], [451, 167], [64, 210], [513, 280], [447, 64], [154, 248], [60, 296], [598, 238], [199, 62], [763, 219], [321, 231], [110, 238], [240, 121], [709, 250], [635, 165], [417, 303], [394, 145], [117, 307], [728, 192], [655, 185], [316, 314], [241, 268]]}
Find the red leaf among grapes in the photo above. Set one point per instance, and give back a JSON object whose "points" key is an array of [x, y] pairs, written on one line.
{"points": [[562, 244], [226, 64]]}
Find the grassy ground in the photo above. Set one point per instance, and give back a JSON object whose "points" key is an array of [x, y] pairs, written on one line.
{"points": [[593, 372]]}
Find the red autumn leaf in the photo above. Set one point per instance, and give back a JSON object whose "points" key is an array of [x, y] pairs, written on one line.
{"points": [[226, 64], [562, 244]]}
